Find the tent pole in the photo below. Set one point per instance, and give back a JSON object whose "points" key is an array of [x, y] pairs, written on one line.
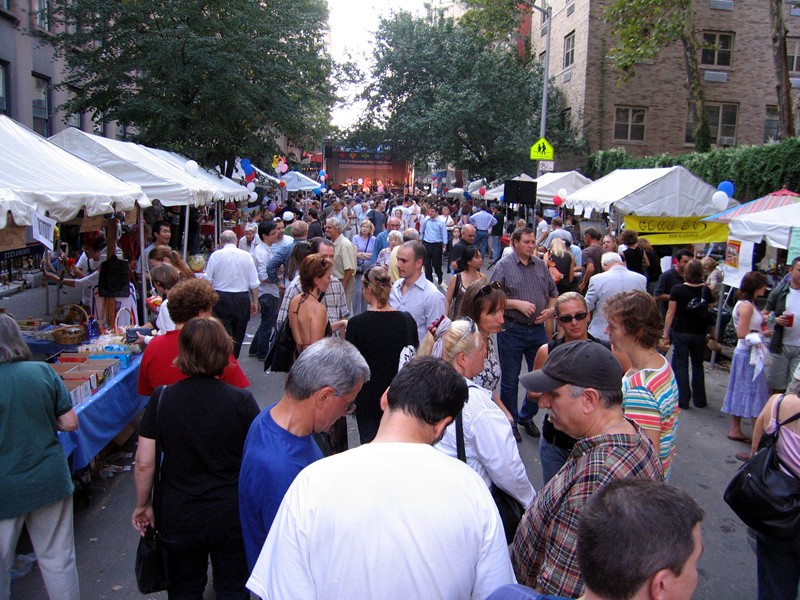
{"points": [[142, 262], [718, 324], [186, 233]]}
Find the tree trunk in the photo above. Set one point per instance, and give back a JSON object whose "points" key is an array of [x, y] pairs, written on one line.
{"points": [[786, 118], [694, 83]]}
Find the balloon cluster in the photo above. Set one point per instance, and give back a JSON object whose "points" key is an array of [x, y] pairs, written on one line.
{"points": [[249, 171], [722, 196], [560, 197], [323, 176]]}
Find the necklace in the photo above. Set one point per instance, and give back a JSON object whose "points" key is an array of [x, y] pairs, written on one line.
{"points": [[610, 427]]}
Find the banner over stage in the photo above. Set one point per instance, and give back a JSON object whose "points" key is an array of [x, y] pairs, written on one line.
{"points": [[677, 230]]}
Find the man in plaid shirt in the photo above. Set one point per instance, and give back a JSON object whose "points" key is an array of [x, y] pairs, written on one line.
{"points": [[581, 386]]}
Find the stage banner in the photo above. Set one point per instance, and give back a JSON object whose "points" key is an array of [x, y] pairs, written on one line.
{"points": [[738, 261], [677, 230]]}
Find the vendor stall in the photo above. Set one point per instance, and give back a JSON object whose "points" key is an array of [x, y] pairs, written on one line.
{"points": [[547, 185], [297, 182]]}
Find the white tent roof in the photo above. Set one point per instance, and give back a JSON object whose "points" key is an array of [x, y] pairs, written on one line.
{"points": [[673, 192], [548, 184], [497, 191], [297, 182], [227, 188], [160, 179], [36, 174], [774, 224]]}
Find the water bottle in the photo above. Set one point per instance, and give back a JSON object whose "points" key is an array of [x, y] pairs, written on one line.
{"points": [[93, 328]]}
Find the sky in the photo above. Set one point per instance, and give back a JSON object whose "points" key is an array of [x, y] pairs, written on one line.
{"points": [[352, 23]]}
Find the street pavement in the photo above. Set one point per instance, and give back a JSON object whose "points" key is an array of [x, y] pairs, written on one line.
{"points": [[704, 464]]}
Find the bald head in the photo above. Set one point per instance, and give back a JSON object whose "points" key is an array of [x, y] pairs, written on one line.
{"points": [[227, 237], [468, 233], [393, 224]]}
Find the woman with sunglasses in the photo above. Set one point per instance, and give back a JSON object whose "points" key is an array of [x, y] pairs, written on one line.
{"points": [[573, 320], [382, 335], [488, 442], [308, 317], [484, 303], [470, 264]]}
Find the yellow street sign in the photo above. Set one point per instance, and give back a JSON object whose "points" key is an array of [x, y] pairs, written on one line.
{"points": [[542, 150]]}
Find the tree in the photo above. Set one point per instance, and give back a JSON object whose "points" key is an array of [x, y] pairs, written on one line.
{"points": [[641, 30], [213, 79], [439, 92], [785, 117]]}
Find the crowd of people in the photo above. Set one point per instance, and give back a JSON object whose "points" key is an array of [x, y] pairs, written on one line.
{"points": [[281, 507]]}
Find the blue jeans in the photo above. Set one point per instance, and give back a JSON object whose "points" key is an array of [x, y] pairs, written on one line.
{"points": [[512, 344], [552, 457], [497, 249], [481, 241], [269, 312], [778, 567], [686, 346]]}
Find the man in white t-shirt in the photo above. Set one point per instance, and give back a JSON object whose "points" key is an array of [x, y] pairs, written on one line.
{"points": [[394, 519], [784, 346]]}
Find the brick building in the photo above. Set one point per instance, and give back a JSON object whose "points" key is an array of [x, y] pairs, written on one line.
{"points": [[648, 114]]}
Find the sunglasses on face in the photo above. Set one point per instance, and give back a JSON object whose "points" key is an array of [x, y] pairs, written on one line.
{"points": [[577, 317]]}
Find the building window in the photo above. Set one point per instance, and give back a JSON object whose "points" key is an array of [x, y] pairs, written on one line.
{"points": [[569, 50], [41, 106], [542, 56], [75, 119], [793, 54], [545, 6], [717, 49], [722, 120], [565, 118], [771, 124], [122, 131], [629, 124], [41, 12], [3, 87], [5, 4], [99, 124]]}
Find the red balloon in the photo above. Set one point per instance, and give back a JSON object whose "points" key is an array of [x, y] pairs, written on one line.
{"points": [[249, 178], [446, 190], [558, 200], [482, 191], [282, 184]]}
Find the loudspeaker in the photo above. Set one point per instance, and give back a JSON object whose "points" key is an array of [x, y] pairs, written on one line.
{"points": [[520, 192]]}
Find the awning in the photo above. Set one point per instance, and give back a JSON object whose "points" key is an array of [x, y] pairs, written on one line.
{"points": [[227, 188], [297, 182], [777, 199]]}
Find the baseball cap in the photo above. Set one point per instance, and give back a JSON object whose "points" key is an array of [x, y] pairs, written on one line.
{"points": [[585, 364]]}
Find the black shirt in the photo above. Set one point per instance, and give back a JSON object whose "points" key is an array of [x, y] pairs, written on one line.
{"points": [[201, 427], [689, 321], [666, 282]]}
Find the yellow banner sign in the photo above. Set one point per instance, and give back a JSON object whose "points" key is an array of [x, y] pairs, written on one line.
{"points": [[677, 230]]}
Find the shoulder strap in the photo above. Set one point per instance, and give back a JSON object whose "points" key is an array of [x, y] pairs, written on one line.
{"points": [[787, 421], [460, 450]]}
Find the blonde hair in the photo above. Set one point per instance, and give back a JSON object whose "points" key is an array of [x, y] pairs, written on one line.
{"points": [[558, 247], [447, 342]]}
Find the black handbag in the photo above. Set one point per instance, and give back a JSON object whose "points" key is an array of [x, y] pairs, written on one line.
{"points": [[510, 509], [283, 351], [152, 567], [762, 494]]}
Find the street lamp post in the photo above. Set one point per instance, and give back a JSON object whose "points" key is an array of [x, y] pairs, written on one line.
{"points": [[548, 13], [431, 166]]}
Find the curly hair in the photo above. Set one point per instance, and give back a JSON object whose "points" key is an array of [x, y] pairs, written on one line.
{"points": [[189, 298], [638, 315]]}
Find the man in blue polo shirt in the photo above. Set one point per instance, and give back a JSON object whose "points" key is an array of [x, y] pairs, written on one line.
{"points": [[483, 222], [321, 388]]}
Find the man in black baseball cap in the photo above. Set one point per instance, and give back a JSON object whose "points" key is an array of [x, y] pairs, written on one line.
{"points": [[581, 387]]}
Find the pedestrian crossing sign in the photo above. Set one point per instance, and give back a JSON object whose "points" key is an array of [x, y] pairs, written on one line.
{"points": [[542, 150]]}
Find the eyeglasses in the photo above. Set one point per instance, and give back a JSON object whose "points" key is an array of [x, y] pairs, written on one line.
{"points": [[577, 317], [473, 327], [350, 408], [487, 289]]}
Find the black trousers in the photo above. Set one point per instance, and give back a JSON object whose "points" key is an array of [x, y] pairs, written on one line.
{"points": [[433, 260], [233, 311]]}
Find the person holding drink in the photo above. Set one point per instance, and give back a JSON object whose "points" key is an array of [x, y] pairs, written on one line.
{"points": [[784, 346]]}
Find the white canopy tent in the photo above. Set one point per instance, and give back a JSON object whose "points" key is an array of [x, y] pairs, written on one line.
{"points": [[673, 192], [133, 163], [497, 191], [775, 225], [227, 188], [297, 182], [41, 176], [548, 184]]}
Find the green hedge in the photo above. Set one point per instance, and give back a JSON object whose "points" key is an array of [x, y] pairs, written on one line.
{"points": [[754, 170]]}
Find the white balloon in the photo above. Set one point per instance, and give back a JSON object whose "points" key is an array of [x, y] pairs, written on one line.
{"points": [[563, 193], [253, 196], [251, 187], [720, 200], [191, 167], [360, 181]]}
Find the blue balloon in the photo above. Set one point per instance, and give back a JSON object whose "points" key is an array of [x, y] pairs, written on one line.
{"points": [[502, 197], [727, 187], [245, 162], [317, 191], [322, 188], [248, 169], [322, 173], [467, 196]]}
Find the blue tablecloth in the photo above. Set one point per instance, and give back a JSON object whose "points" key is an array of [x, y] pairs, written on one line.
{"points": [[102, 417], [45, 347]]}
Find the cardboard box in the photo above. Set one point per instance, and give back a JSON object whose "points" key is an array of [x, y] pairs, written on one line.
{"points": [[80, 375], [79, 390], [125, 357], [62, 368], [111, 366]]}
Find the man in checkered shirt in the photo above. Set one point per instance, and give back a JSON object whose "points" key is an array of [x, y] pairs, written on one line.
{"points": [[581, 386]]}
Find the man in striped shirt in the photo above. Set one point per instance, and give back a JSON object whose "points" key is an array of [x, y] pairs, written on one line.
{"points": [[581, 386]]}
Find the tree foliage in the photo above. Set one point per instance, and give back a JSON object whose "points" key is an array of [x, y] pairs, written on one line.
{"points": [[441, 93], [641, 29], [496, 20], [755, 170], [211, 78]]}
